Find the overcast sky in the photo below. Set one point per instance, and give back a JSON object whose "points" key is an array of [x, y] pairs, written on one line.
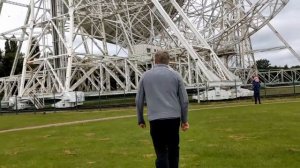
{"points": [[287, 23]]}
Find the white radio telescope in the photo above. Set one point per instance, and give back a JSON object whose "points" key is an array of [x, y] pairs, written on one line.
{"points": [[86, 47]]}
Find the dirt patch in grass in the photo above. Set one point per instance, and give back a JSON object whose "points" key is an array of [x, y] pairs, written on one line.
{"points": [[46, 136], [146, 142], [104, 139], [296, 150], [91, 162], [239, 137], [69, 152], [91, 134], [147, 156], [13, 153], [225, 129]]}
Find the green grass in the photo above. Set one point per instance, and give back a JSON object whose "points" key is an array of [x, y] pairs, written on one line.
{"points": [[285, 90], [244, 136], [110, 101], [24, 120]]}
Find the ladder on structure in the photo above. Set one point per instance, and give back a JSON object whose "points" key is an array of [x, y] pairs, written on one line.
{"points": [[37, 102]]}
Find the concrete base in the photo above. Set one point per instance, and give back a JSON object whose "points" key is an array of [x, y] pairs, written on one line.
{"points": [[221, 94]]}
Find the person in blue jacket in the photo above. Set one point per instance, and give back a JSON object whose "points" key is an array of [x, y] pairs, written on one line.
{"points": [[256, 89]]}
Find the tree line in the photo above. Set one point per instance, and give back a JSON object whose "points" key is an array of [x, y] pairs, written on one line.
{"points": [[7, 58], [8, 55], [264, 64]]}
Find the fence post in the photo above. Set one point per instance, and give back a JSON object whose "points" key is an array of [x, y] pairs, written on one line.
{"points": [[16, 99], [0, 106], [206, 90], [54, 102], [76, 104], [235, 89], [43, 105], [294, 85], [99, 100], [43, 108], [198, 93], [34, 104], [124, 98], [265, 90]]}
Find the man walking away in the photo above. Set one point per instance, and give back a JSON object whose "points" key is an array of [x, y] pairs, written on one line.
{"points": [[167, 103]]}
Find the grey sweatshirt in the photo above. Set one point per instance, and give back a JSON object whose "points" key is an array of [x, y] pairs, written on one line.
{"points": [[163, 90]]}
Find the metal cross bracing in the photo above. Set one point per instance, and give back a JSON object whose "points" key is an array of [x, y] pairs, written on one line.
{"points": [[280, 77], [81, 43], [228, 25]]}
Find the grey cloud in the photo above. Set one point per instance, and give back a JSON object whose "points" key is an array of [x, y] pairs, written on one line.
{"points": [[287, 23]]}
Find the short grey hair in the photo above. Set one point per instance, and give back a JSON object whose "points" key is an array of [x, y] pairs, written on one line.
{"points": [[162, 57]]}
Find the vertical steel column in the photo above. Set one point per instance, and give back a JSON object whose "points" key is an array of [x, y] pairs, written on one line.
{"points": [[127, 76], [1, 5], [208, 74], [104, 41], [124, 30], [189, 69], [101, 77], [136, 75], [70, 46], [13, 69], [31, 26], [203, 41]]}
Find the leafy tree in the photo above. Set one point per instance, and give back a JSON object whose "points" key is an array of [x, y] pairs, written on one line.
{"points": [[263, 64], [275, 67], [7, 63], [13, 45], [11, 48], [0, 55], [1, 70], [1, 64], [7, 47]]}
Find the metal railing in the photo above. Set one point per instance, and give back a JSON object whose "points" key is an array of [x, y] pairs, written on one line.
{"points": [[128, 100]]}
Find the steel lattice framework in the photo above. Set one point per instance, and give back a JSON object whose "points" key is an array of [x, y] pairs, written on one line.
{"points": [[80, 43]]}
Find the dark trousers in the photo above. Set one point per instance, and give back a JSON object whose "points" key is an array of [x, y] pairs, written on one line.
{"points": [[257, 97], [165, 137]]}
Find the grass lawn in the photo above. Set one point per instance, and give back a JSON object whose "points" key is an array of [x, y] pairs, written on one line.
{"points": [[222, 135], [285, 90]]}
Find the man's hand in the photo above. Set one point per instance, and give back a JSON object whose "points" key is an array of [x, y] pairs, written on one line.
{"points": [[185, 126], [142, 125]]}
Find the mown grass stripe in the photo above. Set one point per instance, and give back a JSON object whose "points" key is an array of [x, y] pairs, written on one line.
{"points": [[66, 123], [125, 116]]}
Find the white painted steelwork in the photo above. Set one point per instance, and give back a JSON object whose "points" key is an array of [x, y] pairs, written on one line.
{"points": [[104, 46]]}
